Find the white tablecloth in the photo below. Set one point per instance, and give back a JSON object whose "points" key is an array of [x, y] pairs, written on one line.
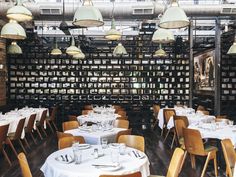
{"points": [[13, 117], [95, 137], [216, 130], [94, 117], [129, 163], [193, 117]]}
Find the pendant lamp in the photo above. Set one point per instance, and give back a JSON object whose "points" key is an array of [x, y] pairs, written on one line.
{"points": [[174, 17], [14, 49], [119, 50], [19, 13], [113, 34], [56, 51], [72, 50], [13, 30], [88, 16], [160, 52], [163, 36], [80, 55], [232, 49]]}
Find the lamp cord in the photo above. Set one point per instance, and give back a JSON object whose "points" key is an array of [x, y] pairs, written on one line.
{"points": [[113, 8]]}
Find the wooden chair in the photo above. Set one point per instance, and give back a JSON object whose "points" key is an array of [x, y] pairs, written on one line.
{"points": [[122, 113], [229, 155], [87, 111], [66, 142], [136, 174], [121, 124], [201, 108], [206, 112], [168, 113], [194, 146], [122, 118], [156, 109], [70, 125], [40, 124], [222, 120], [25, 170], [180, 122], [3, 138], [88, 107], [72, 118], [29, 128], [175, 164], [123, 132], [62, 135], [133, 141], [221, 117], [51, 121], [16, 136]]}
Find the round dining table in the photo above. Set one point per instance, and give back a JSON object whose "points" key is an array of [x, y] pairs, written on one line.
{"points": [[61, 163]]}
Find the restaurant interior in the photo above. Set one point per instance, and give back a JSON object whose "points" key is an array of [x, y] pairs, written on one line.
{"points": [[117, 88]]}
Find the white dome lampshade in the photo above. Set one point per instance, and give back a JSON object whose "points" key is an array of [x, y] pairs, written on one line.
{"points": [[80, 55], [119, 50], [19, 13], [13, 30], [88, 16], [160, 52], [72, 50], [174, 17], [163, 36], [55, 51], [232, 49], [113, 34], [14, 49]]}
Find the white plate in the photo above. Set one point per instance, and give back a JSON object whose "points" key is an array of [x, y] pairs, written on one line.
{"points": [[85, 128], [63, 159], [84, 146], [114, 145], [106, 168]]}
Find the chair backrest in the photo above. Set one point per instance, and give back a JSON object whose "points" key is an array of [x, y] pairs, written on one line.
{"points": [[201, 108], [31, 122], [206, 112], [229, 154], [86, 111], [122, 113], [123, 132], [66, 142], [179, 125], [221, 117], [168, 113], [175, 163], [156, 109], [3, 134], [72, 118], [193, 141], [184, 118], [88, 107], [43, 117], [70, 125], [19, 129], [62, 135], [121, 124], [136, 174], [121, 118], [24, 165], [53, 114], [133, 141]]}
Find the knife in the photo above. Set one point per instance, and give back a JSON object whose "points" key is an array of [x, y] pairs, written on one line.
{"points": [[104, 165], [135, 154]]}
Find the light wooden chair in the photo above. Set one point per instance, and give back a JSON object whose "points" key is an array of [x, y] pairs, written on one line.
{"points": [[221, 117], [122, 113], [29, 128], [133, 141], [175, 164], [51, 120], [122, 118], [124, 132], [3, 138], [168, 113], [70, 125], [225, 120], [229, 155], [180, 122], [136, 174], [88, 107], [68, 141], [194, 146], [121, 124], [62, 135], [40, 124], [25, 169], [201, 108], [206, 112], [72, 118], [86, 111], [156, 108]]}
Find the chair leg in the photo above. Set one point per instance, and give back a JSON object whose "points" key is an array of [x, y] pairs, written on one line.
{"points": [[37, 129], [26, 142], [32, 136], [48, 123], [162, 130], [182, 163], [206, 163], [173, 140], [6, 156], [12, 146], [193, 161], [43, 130], [155, 123], [215, 167], [167, 135], [53, 123], [22, 146]]}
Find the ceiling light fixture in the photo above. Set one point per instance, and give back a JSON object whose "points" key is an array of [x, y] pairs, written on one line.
{"points": [[14, 49], [72, 50], [88, 16], [160, 52], [163, 36], [55, 51], [232, 49], [13, 30], [119, 50], [174, 17], [19, 13]]}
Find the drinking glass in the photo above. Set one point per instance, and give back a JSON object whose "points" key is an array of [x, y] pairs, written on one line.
{"points": [[115, 155], [122, 149], [77, 154], [231, 122], [104, 143]]}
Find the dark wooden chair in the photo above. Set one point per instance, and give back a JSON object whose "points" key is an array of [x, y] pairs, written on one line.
{"points": [[88, 107], [30, 126], [3, 138], [51, 120], [156, 109], [40, 124]]}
